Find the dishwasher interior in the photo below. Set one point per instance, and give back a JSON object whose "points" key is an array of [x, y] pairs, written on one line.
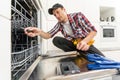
{"points": [[24, 49], [52, 66]]}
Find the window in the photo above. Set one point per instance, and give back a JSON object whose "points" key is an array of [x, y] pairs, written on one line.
{"points": [[108, 33]]}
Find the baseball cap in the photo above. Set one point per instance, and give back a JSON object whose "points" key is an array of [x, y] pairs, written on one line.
{"points": [[55, 6]]}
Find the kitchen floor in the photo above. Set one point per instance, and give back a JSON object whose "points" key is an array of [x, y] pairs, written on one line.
{"points": [[114, 55], [116, 77]]}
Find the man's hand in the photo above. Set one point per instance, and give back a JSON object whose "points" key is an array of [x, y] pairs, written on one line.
{"points": [[32, 31], [82, 46]]}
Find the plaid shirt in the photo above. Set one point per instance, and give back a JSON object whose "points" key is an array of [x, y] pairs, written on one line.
{"points": [[80, 26]]}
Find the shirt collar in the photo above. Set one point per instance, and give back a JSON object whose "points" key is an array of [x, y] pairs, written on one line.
{"points": [[70, 19]]}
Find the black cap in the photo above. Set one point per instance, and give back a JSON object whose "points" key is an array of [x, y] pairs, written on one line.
{"points": [[55, 6]]}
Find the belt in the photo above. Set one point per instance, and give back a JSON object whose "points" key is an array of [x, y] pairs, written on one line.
{"points": [[76, 41]]}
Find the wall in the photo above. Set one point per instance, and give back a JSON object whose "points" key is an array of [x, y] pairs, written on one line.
{"points": [[5, 50]]}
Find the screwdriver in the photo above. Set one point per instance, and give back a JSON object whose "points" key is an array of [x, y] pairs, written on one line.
{"points": [[26, 30]]}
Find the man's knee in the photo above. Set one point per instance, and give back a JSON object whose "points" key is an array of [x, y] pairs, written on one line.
{"points": [[55, 40]]}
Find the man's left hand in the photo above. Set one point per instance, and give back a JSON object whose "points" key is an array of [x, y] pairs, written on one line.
{"points": [[82, 46]]}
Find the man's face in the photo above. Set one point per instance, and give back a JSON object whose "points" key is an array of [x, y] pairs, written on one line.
{"points": [[60, 14]]}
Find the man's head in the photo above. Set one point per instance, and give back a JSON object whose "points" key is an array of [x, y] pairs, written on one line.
{"points": [[59, 12]]}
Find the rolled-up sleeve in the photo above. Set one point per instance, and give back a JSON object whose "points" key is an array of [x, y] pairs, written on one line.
{"points": [[54, 30]]}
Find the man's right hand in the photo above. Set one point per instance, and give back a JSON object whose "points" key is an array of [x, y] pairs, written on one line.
{"points": [[32, 31]]}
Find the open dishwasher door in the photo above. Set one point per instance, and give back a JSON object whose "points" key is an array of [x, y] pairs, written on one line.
{"points": [[107, 74], [50, 69]]}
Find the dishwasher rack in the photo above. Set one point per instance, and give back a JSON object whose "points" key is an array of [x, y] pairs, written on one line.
{"points": [[23, 14], [22, 60]]}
